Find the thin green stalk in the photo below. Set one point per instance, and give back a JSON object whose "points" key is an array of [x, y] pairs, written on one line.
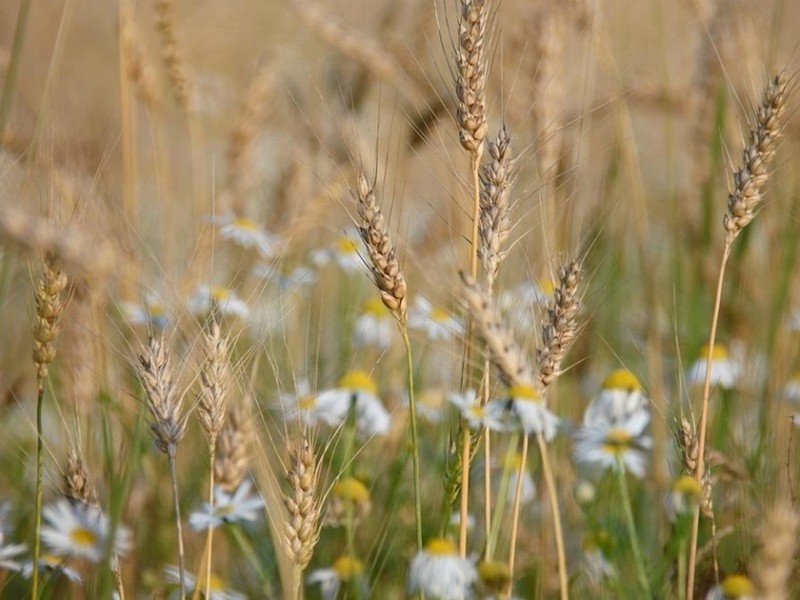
{"points": [[236, 533], [210, 530], [638, 562], [11, 81], [38, 511], [173, 469], [512, 552], [502, 493], [412, 404], [547, 471]]}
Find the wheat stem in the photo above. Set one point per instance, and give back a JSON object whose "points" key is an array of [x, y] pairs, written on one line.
{"points": [[412, 404]]}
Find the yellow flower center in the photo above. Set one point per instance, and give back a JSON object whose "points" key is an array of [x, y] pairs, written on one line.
{"points": [[617, 441], [439, 315], [219, 293], [351, 489], [494, 574], [523, 392], [737, 586], [348, 567], [346, 245], [688, 486], [621, 379], [155, 309], [82, 536], [546, 286], [595, 540], [215, 582], [374, 306], [514, 461], [720, 352], [440, 547], [358, 380], [245, 223]]}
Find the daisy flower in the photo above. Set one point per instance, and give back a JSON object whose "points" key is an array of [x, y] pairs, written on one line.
{"points": [[218, 587], [521, 302], [619, 400], [439, 572], [683, 497], [225, 300], [594, 561], [345, 570], [523, 407], [80, 531], [495, 578], [724, 370], [606, 446], [375, 326], [306, 406], [53, 564], [733, 587], [344, 253], [228, 508], [246, 233], [8, 551], [438, 324], [356, 389], [473, 413], [150, 312], [349, 498], [512, 465], [431, 403]]}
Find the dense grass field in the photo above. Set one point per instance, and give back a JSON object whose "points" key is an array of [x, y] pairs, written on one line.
{"points": [[420, 299]]}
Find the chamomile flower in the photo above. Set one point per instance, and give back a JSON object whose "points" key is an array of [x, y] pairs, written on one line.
{"points": [[345, 570], [430, 403], [528, 493], [595, 565], [208, 298], [80, 531], [228, 508], [440, 573], [304, 405], [356, 389], [344, 253], [246, 233], [8, 551], [349, 498], [724, 370], [619, 400], [733, 587], [523, 407], [53, 564], [523, 303], [495, 578], [683, 497], [219, 591], [473, 413], [375, 326], [609, 446], [151, 312], [438, 324]]}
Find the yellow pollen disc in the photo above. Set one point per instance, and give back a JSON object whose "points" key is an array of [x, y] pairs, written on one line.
{"points": [[514, 461], [737, 586], [477, 411], [351, 489], [219, 293], [83, 536], [617, 440], [523, 392], [687, 485], [546, 286], [494, 573], [621, 379], [306, 402], [155, 310], [439, 315], [245, 223], [440, 547], [594, 541], [358, 380], [720, 352], [374, 306], [348, 567], [215, 583], [223, 510], [346, 245]]}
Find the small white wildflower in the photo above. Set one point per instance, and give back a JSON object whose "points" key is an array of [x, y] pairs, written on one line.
{"points": [[345, 570], [724, 370], [523, 408], [80, 531], [607, 446], [473, 413], [344, 253], [225, 300], [619, 400], [248, 234], [440, 573], [219, 590], [228, 508], [151, 312], [52, 564], [438, 324], [375, 326], [683, 497], [733, 587]]}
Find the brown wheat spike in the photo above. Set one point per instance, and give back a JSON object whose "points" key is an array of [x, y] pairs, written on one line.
{"points": [[168, 425], [233, 448], [503, 351], [214, 383], [77, 483], [471, 75], [773, 564], [139, 70], [496, 179], [302, 528], [386, 272], [560, 328], [687, 441], [176, 70], [751, 177], [50, 303]]}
